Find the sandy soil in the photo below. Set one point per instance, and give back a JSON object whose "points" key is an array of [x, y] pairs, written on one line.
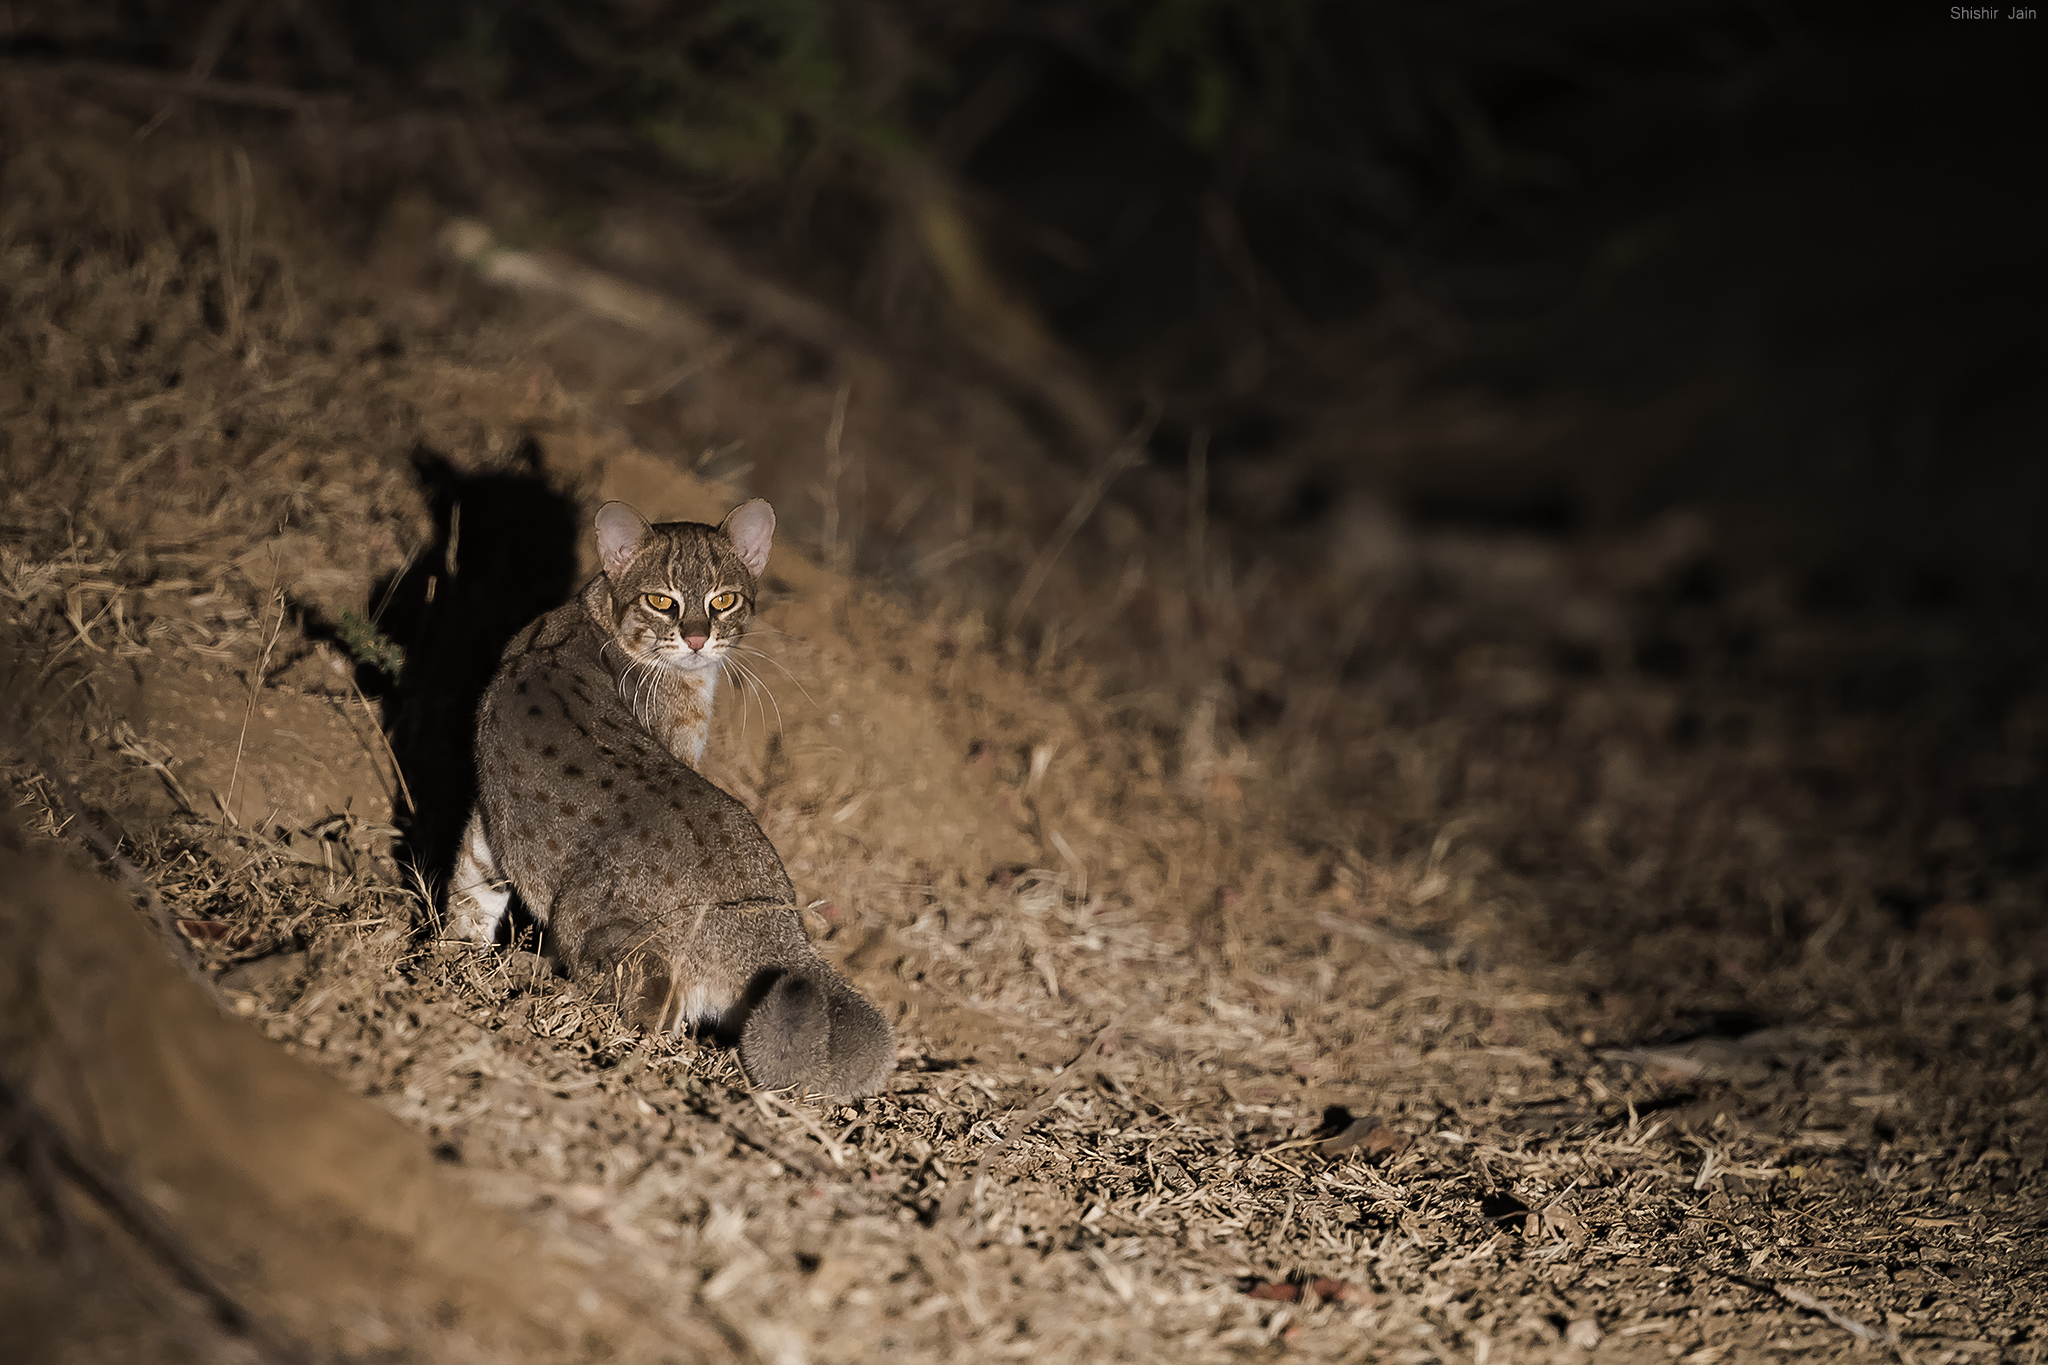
{"points": [[1397, 944]]}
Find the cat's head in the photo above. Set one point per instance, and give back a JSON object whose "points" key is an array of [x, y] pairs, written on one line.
{"points": [[682, 592]]}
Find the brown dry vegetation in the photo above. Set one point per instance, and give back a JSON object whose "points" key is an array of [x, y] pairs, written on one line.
{"points": [[1688, 1012]]}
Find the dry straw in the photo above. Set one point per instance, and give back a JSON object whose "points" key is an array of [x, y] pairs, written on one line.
{"points": [[1135, 978]]}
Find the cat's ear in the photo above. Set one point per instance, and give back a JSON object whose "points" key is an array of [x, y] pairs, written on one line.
{"points": [[620, 533], [750, 527]]}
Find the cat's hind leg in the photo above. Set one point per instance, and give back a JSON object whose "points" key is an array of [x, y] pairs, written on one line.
{"points": [[478, 893]]}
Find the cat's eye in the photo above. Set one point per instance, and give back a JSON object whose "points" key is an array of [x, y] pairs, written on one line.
{"points": [[659, 602], [725, 601]]}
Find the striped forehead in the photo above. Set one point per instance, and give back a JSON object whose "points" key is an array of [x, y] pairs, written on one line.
{"points": [[689, 561], [693, 560]]}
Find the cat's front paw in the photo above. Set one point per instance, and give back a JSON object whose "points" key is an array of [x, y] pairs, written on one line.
{"points": [[478, 895]]}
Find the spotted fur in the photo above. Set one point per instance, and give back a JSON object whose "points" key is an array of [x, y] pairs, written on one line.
{"points": [[655, 887]]}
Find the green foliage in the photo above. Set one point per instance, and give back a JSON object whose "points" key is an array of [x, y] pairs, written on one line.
{"points": [[1218, 60], [478, 63], [370, 647], [750, 88], [533, 229]]}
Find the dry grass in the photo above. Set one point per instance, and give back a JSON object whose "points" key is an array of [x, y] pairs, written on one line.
{"points": [[1212, 847]]}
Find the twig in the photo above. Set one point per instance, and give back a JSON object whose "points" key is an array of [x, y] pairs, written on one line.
{"points": [[1863, 1331], [1198, 515], [129, 743], [199, 87], [80, 631], [763, 1099], [1082, 1067], [214, 35], [596, 292], [1380, 936], [835, 467], [795, 1160], [716, 278], [1131, 452], [396, 771], [255, 686]]}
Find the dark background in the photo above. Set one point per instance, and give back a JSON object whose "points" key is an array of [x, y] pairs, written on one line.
{"points": [[1620, 434], [1781, 261]]}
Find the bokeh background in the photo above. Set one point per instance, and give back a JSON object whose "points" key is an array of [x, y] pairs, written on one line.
{"points": [[1406, 642]]}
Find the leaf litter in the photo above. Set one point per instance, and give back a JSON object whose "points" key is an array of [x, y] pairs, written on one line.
{"points": [[1153, 971]]}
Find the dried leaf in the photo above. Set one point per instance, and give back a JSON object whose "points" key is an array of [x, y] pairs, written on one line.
{"points": [[215, 931], [1385, 1144], [1340, 1291], [1347, 1137], [1565, 1224], [262, 973], [1968, 926]]}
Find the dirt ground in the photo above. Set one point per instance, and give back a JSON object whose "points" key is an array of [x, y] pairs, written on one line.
{"points": [[1401, 942]]}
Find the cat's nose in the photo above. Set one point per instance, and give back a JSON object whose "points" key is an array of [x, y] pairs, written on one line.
{"points": [[695, 642]]}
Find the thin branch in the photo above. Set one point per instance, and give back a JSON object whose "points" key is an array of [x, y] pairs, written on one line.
{"points": [[1131, 452], [241, 93], [255, 687], [1084, 1066], [397, 772], [1862, 1331]]}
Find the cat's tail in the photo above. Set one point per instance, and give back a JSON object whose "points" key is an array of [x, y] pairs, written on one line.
{"points": [[812, 1031]]}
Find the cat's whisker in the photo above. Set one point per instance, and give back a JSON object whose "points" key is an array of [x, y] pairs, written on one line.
{"points": [[649, 690], [725, 669], [759, 685], [770, 658], [742, 685], [653, 684], [755, 694], [755, 680], [769, 693], [636, 678]]}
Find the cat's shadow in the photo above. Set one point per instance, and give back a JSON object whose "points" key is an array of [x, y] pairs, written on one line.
{"points": [[503, 552]]}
